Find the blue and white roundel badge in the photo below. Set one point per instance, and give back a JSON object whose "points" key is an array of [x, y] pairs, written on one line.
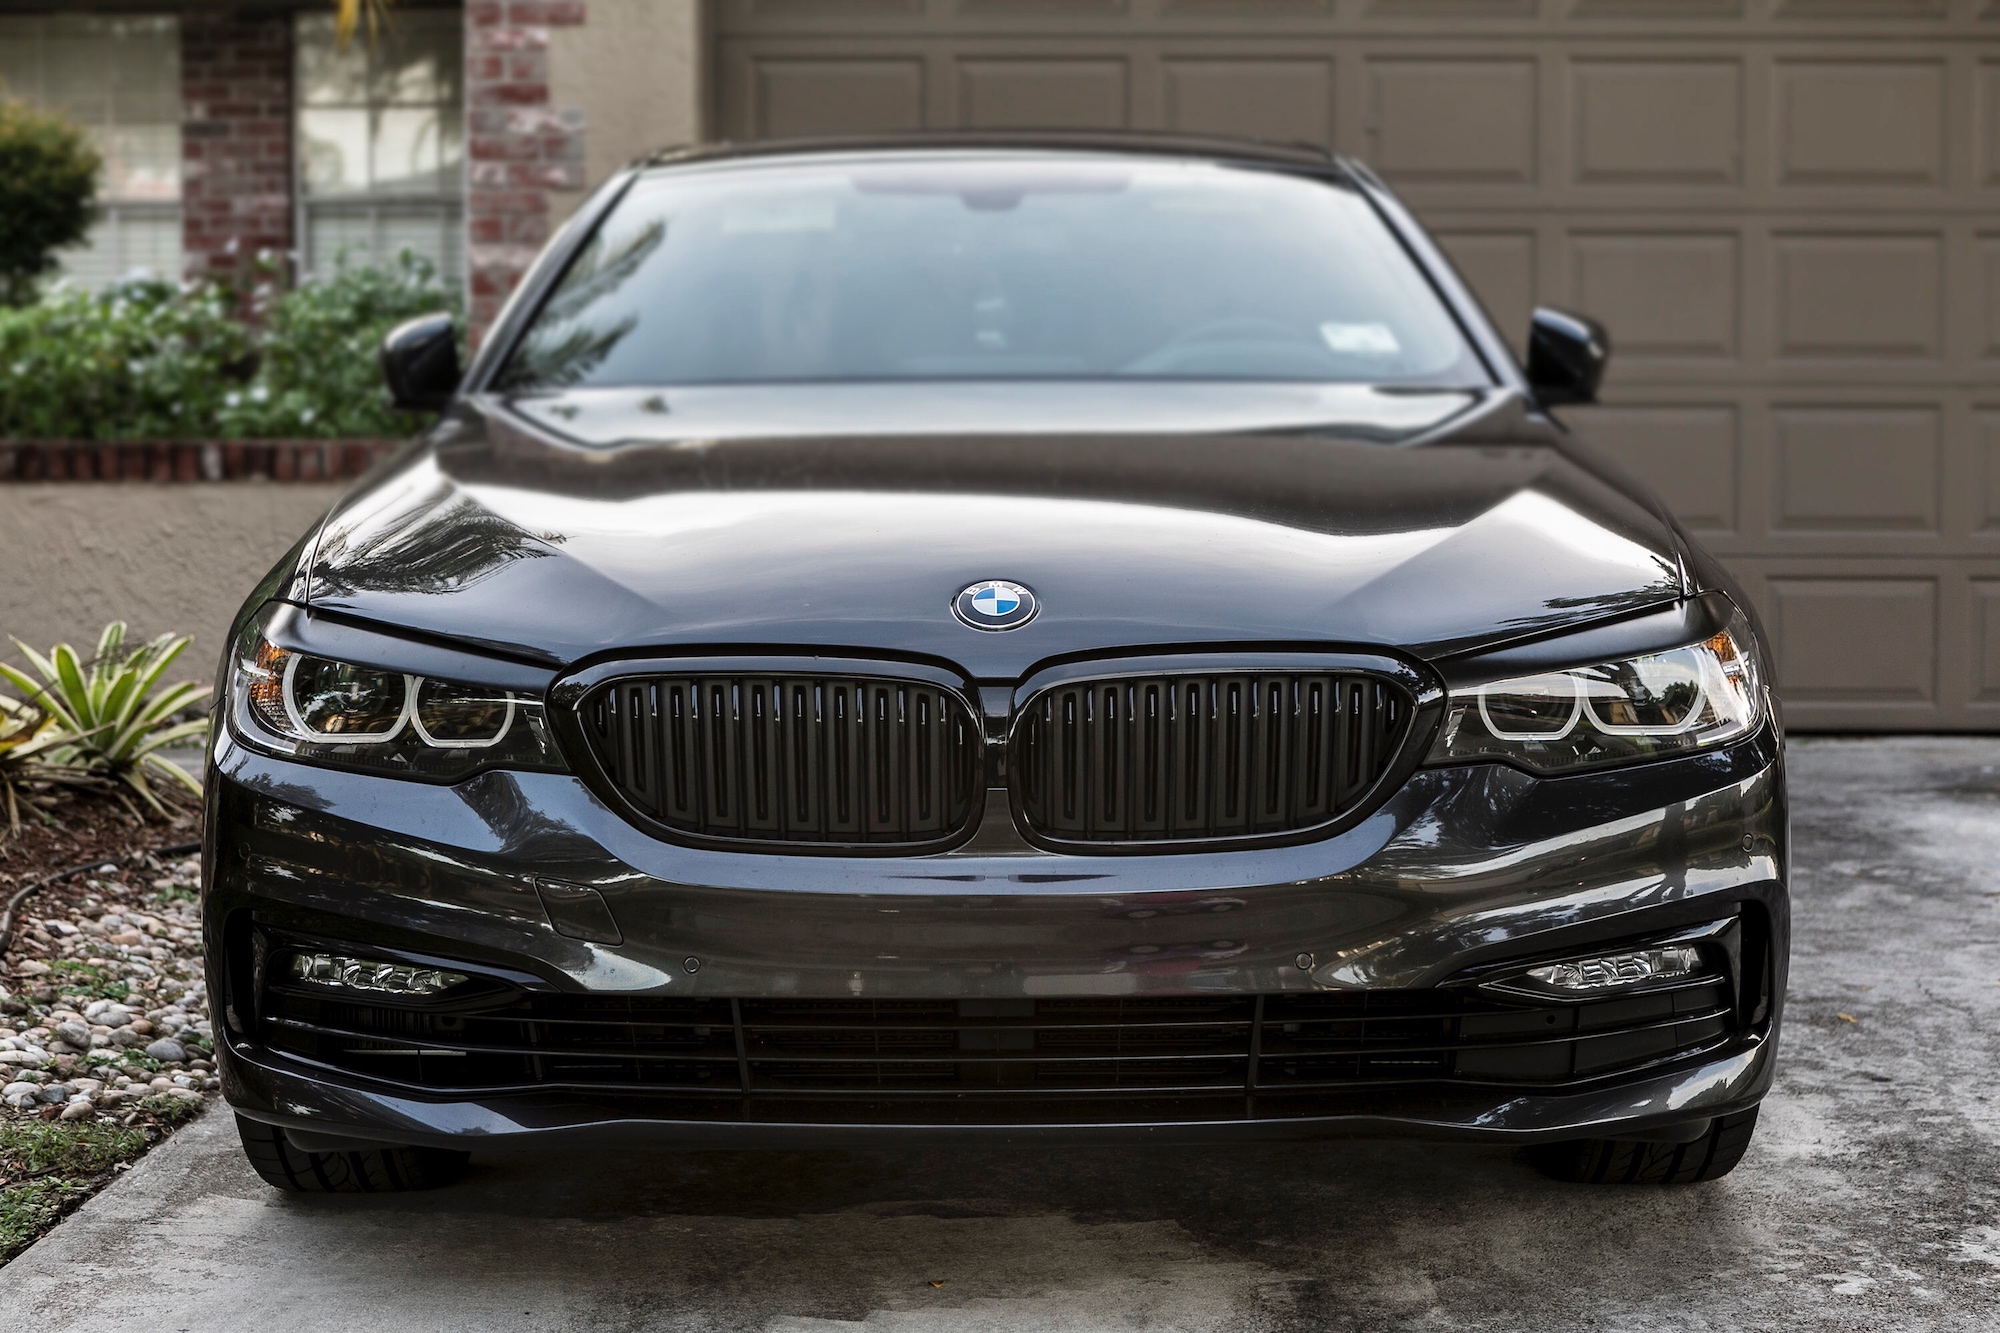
{"points": [[995, 604]]}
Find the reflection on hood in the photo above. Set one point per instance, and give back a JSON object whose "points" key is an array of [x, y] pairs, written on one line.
{"points": [[419, 533], [606, 417], [1489, 529]]}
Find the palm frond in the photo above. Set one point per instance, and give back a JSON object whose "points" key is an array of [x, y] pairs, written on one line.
{"points": [[350, 16]]}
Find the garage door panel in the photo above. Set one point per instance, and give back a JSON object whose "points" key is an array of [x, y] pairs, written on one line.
{"points": [[1860, 122], [810, 96], [1854, 640], [1466, 121], [1821, 9], [1473, 9], [1245, 9], [1656, 122], [1983, 470], [1856, 471], [1657, 9], [1500, 267], [1985, 633], [1784, 210], [1662, 294], [1276, 99], [1986, 286], [1986, 85], [822, 11], [959, 19], [1045, 9], [1036, 93], [1910, 681], [1688, 453], [1859, 296]]}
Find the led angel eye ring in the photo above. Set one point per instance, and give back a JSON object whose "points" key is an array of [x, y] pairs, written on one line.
{"points": [[1692, 722], [1501, 733], [1689, 723], [304, 732], [417, 721]]}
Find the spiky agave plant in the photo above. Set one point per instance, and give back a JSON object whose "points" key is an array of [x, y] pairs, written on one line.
{"points": [[26, 736], [111, 723]]}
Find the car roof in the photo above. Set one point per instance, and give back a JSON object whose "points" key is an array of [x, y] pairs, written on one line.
{"points": [[1212, 147]]}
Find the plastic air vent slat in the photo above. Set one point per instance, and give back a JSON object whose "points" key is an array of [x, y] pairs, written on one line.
{"points": [[913, 1061], [1205, 758], [811, 760]]}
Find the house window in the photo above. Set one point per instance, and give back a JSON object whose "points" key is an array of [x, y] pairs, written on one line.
{"points": [[120, 79], [381, 142]]}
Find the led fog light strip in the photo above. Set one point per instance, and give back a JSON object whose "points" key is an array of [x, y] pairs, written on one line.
{"points": [[371, 974], [1612, 970]]}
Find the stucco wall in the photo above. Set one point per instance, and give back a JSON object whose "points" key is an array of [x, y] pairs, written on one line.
{"points": [[635, 68], [173, 557]]}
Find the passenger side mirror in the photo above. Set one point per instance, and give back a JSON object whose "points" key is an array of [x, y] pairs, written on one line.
{"points": [[420, 362], [1567, 355]]}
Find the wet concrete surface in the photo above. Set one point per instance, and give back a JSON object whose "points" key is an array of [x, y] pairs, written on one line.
{"points": [[1869, 1200]]}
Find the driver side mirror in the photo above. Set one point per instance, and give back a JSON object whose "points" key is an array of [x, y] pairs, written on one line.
{"points": [[420, 363], [1567, 355]]}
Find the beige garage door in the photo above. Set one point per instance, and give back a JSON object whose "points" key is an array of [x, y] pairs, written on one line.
{"points": [[1784, 209]]}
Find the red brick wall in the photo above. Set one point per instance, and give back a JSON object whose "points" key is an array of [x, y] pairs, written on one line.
{"points": [[518, 146], [236, 135], [190, 460]]}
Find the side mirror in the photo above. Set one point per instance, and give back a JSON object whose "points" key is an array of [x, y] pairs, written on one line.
{"points": [[1567, 355], [420, 362]]}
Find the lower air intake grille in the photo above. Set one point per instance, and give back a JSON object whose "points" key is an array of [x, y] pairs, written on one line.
{"points": [[1084, 1060], [1205, 758], [854, 762]]}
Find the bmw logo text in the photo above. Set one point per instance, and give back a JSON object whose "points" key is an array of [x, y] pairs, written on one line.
{"points": [[995, 604]]}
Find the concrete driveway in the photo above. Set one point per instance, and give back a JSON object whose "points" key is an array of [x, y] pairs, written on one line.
{"points": [[1870, 1199]]}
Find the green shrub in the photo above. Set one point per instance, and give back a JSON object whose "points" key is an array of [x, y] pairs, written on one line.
{"points": [[150, 359], [143, 359], [48, 182], [318, 376]]}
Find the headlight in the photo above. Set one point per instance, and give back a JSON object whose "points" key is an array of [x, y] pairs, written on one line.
{"points": [[1693, 698], [350, 715]]}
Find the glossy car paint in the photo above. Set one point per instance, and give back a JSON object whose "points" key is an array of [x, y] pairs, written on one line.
{"points": [[1496, 528], [1466, 535]]}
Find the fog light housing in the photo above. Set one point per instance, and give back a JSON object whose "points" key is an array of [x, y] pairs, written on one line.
{"points": [[374, 975], [1613, 971]]}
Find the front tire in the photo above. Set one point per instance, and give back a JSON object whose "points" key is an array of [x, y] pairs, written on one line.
{"points": [[1623, 1162], [366, 1168]]}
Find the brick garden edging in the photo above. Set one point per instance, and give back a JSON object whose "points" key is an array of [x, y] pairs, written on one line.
{"points": [[189, 460]]}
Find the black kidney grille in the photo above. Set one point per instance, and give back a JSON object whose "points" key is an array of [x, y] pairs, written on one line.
{"points": [[841, 761], [1195, 758]]}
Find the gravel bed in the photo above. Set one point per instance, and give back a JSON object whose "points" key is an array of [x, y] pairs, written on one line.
{"points": [[105, 1043], [102, 1002]]}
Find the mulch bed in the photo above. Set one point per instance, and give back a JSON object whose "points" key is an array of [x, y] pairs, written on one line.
{"points": [[105, 1044], [60, 829]]}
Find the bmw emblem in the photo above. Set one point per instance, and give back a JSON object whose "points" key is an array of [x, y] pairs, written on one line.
{"points": [[995, 604]]}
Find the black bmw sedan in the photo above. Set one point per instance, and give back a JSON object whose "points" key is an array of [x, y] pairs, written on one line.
{"points": [[1062, 636]]}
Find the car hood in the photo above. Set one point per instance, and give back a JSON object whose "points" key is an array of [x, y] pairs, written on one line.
{"points": [[1468, 523]]}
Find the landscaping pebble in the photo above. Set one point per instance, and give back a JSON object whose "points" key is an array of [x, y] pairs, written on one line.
{"points": [[102, 1000]]}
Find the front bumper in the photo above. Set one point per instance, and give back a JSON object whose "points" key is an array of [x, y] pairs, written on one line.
{"points": [[1461, 869]]}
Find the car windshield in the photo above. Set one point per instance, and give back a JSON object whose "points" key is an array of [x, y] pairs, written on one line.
{"points": [[989, 266]]}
